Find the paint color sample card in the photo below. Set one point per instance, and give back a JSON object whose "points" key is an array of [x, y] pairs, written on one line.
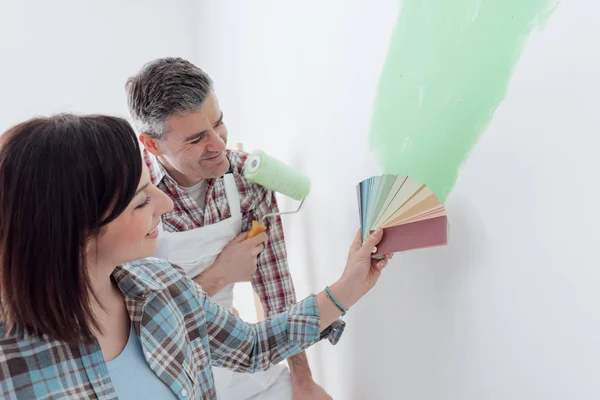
{"points": [[410, 214]]}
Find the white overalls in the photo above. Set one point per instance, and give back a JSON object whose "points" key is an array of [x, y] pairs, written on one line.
{"points": [[195, 250]]}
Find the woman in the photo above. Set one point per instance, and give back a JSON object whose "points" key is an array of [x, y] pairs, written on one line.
{"points": [[78, 315]]}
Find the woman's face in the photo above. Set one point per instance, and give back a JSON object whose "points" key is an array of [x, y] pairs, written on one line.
{"points": [[133, 234]]}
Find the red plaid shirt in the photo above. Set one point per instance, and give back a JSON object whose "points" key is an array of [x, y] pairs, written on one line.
{"points": [[272, 281]]}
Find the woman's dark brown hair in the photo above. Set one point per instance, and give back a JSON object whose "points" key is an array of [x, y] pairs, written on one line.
{"points": [[61, 180]]}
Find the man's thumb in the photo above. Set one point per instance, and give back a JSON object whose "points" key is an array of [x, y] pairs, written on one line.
{"points": [[241, 237]]}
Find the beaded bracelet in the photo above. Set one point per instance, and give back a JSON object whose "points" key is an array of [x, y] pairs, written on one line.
{"points": [[335, 301]]}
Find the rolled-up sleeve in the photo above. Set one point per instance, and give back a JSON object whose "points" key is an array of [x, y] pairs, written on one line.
{"points": [[249, 347]]}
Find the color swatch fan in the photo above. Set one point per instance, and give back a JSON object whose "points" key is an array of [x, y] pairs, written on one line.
{"points": [[410, 214]]}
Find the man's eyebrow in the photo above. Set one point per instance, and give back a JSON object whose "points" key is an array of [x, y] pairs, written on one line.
{"points": [[220, 119], [196, 136]]}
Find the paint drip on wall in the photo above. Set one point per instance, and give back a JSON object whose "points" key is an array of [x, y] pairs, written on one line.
{"points": [[447, 70]]}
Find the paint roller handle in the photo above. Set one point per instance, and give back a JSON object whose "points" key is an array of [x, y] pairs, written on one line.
{"points": [[256, 229]]}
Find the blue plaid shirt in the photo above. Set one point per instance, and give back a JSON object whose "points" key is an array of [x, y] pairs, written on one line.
{"points": [[182, 333]]}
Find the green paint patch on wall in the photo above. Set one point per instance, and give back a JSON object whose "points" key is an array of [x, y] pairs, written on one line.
{"points": [[447, 70]]}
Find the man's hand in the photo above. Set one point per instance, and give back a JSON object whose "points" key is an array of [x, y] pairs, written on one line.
{"points": [[303, 385], [236, 263], [309, 390]]}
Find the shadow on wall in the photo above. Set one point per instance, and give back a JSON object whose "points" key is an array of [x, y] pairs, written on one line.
{"points": [[299, 236], [412, 307]]}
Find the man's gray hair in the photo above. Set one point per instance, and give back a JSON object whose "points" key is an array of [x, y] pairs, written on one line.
{"points": [[163, 88]]}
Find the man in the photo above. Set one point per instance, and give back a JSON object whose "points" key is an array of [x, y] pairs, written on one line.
{"points": [[181, 126]]}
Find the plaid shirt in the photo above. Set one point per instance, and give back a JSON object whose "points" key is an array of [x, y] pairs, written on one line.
{"points": [[272, 281], [181, 331]]}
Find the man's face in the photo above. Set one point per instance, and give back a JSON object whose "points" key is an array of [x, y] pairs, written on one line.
{"points": [[194, 146]]}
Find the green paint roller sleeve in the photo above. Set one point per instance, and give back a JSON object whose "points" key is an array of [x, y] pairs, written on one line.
{"points": [[275, 175], [447, 70]]}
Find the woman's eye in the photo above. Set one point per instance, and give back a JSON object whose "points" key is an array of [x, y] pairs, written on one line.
{"points": [[145, 203]]}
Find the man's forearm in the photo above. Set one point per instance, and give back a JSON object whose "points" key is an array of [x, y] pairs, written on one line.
{"points": [[210, 281], [299, 368]]}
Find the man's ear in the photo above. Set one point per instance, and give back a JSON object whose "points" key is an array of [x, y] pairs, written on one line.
{"points": [[150, 144]]}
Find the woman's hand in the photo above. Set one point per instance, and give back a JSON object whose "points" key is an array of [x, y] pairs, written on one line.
{"points": [[362, 272], [359, 276]]}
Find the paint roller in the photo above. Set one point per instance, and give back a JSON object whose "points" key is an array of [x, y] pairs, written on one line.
{"points": [[267, 171]]}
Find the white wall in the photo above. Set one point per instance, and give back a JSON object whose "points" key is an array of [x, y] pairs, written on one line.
{"points": [[70, 55], [509, 310]]}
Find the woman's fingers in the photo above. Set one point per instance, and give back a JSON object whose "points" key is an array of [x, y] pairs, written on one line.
{"points": [[373, 239]]}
